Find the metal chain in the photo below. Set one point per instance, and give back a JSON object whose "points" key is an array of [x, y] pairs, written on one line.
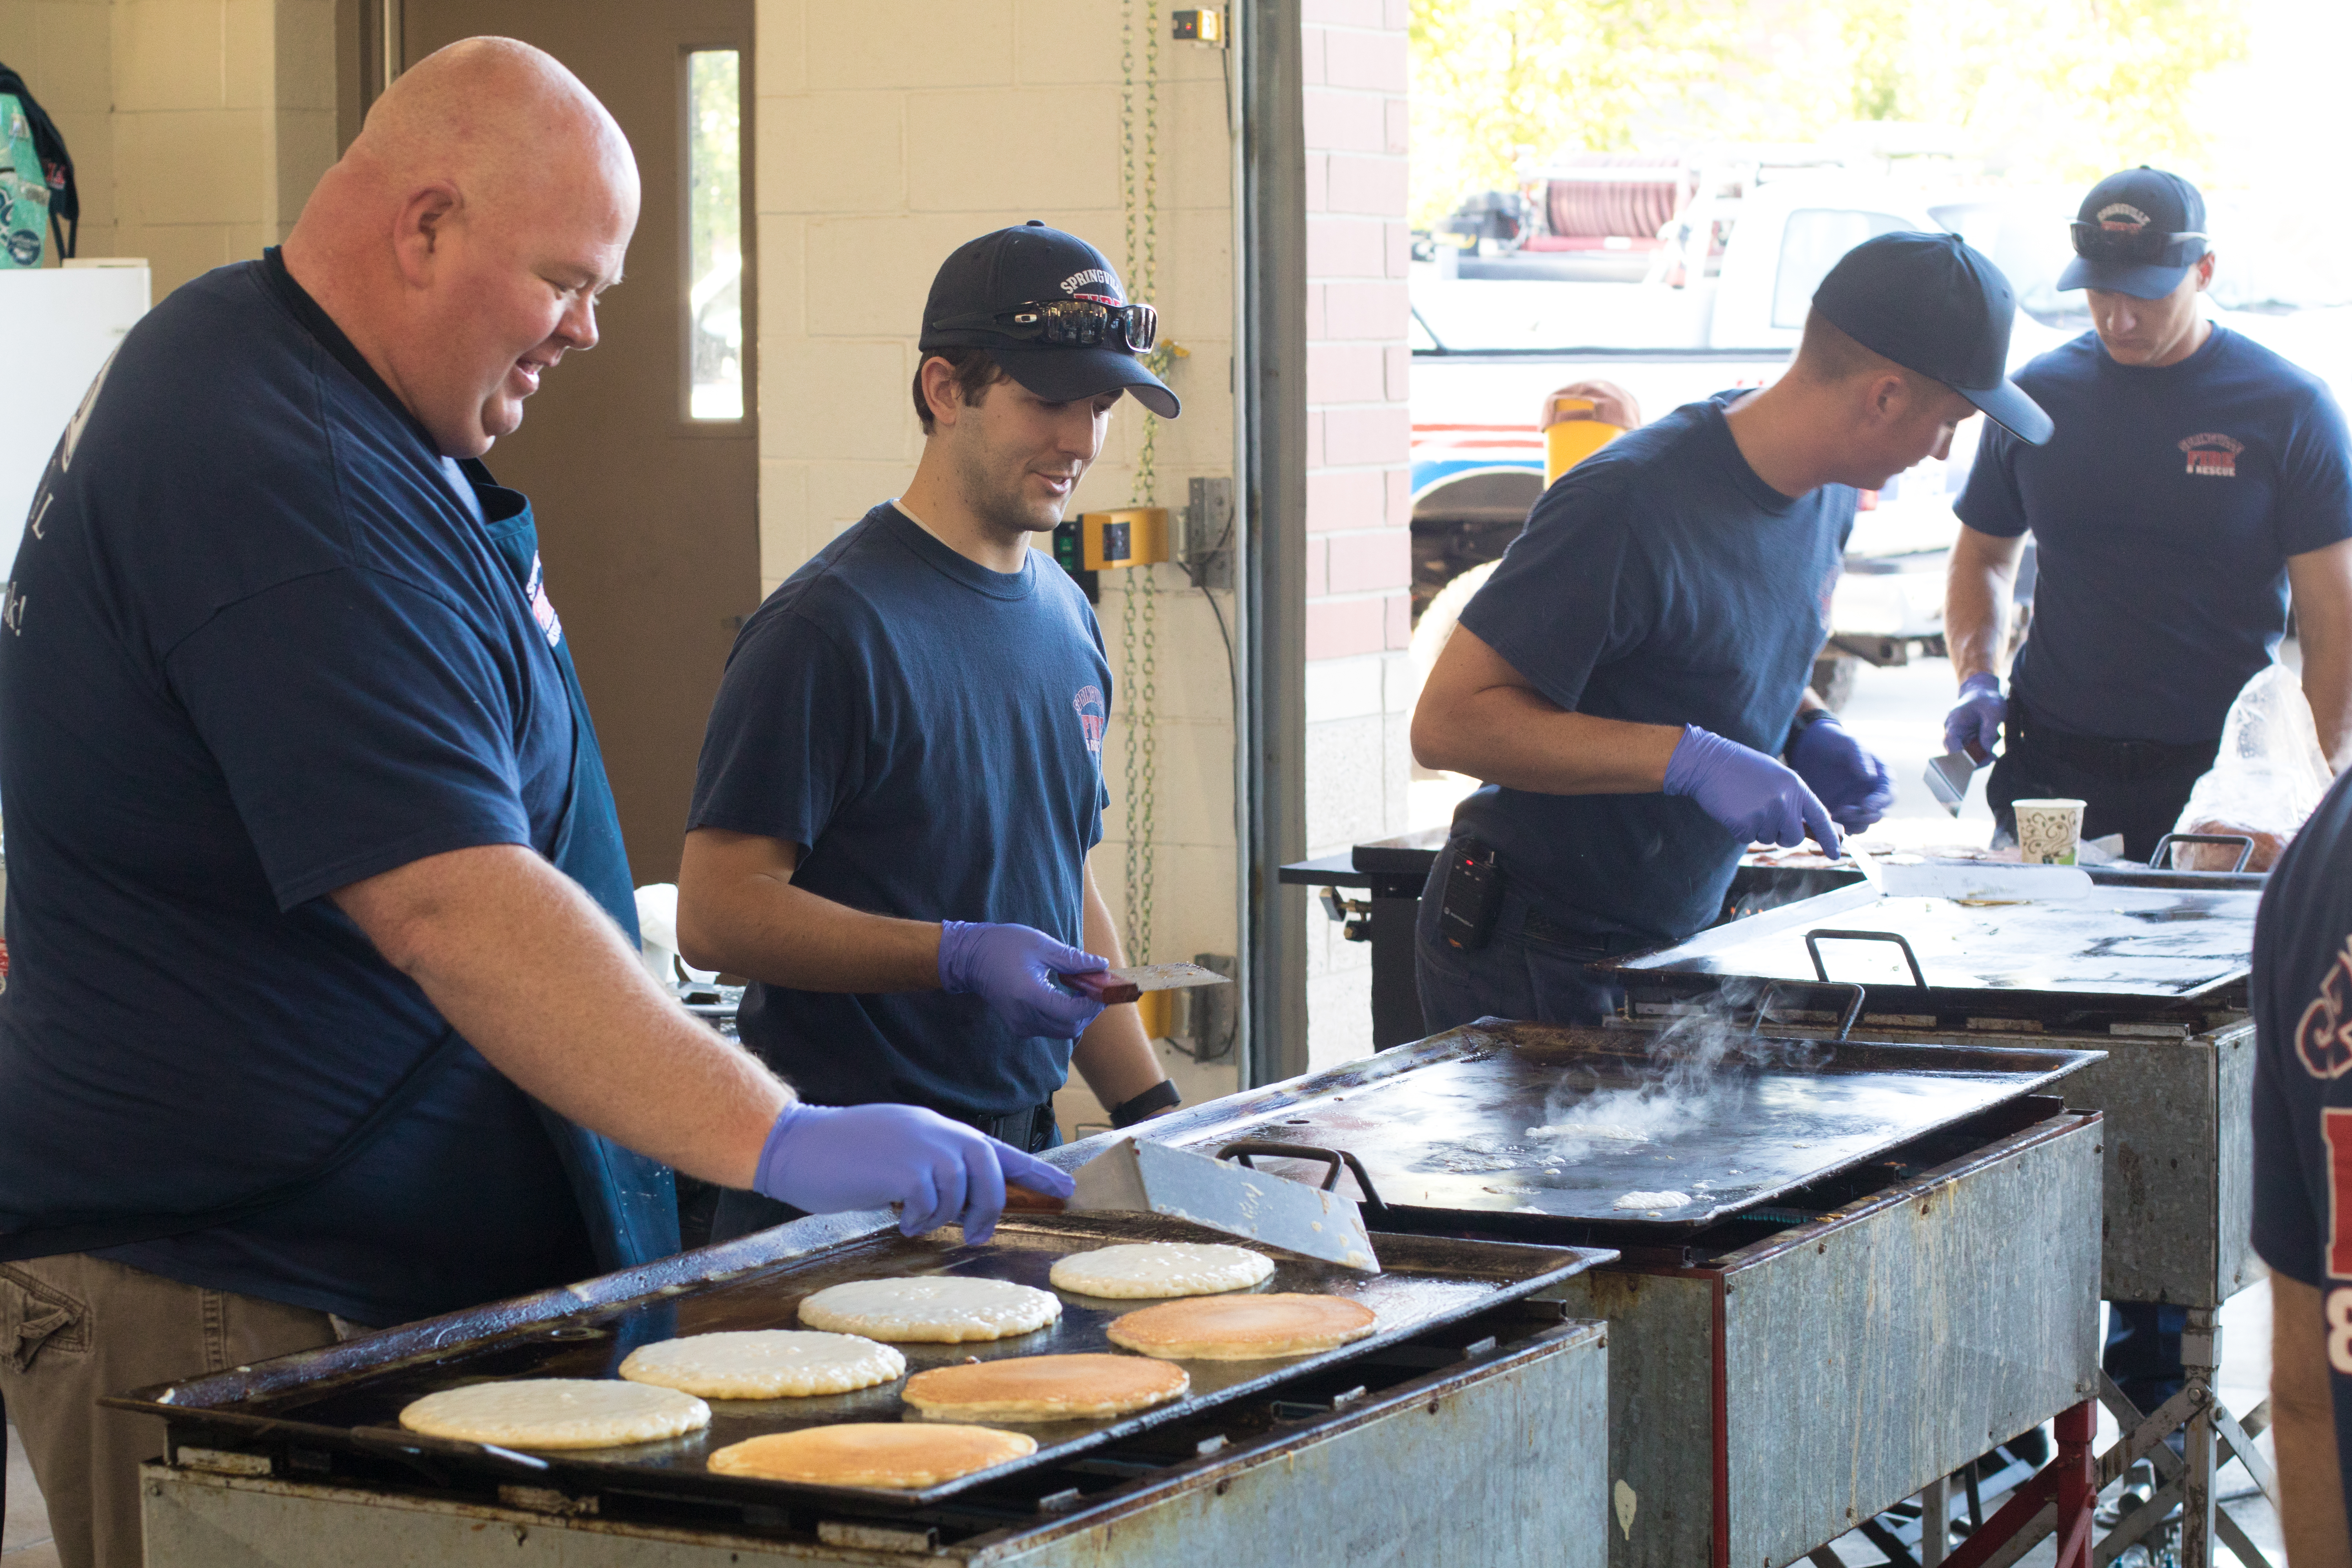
{"points": [[1139, 616]]}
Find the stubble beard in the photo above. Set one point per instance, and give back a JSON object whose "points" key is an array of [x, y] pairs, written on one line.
{"points": [[995, 497]]}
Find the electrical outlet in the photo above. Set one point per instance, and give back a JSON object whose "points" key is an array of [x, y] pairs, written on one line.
{"points": [[1207, 549], [1204, 26]]}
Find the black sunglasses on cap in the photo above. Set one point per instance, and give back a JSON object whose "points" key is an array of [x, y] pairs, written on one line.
{"points": [[2147, 247], [1081, 323]]}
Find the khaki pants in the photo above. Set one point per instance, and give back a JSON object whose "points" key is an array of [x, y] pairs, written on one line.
{"points": [[75, 1327]]}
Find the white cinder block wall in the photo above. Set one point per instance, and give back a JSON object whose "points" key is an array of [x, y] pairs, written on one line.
{"points": [[197, 127], [1359, 505], [893, 131]]}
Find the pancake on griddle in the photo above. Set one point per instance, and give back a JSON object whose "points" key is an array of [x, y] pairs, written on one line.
{"points": [[1044, 1388], [1243, 1328], [898, 1454]]}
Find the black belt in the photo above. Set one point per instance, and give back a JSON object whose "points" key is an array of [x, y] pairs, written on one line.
{"points": [[1024, 1130], [2109, 759]]}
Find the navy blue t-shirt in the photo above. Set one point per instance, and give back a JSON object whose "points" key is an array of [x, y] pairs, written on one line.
{"points": [[1662, 581], [256, 648], [2301, 988], [930, 733], [2163, 511]]}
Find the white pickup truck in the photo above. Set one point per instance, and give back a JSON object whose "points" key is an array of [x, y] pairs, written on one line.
{"points": [[1488, 348]]}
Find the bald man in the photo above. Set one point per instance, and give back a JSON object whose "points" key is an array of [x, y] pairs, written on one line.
{"points": [[324, 1010]]}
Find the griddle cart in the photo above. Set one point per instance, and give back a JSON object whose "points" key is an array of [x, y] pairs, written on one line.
{"points": [[2150, 969], [1891, 1261], [1469, 1431]]}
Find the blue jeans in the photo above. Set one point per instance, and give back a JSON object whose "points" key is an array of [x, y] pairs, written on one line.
{"points": [[1510, 977]]}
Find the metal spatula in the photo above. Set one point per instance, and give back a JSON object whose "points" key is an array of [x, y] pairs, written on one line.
{"points": [[1112, 986], [1136, 1177]]}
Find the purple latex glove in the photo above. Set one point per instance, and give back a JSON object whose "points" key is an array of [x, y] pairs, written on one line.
{"points": [[1973, 725], [1011, 968], [1854, 784], [827, 1158], [1754, 797]]}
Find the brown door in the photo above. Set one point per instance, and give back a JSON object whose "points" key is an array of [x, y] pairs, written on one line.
{"points": [[647, 514]]}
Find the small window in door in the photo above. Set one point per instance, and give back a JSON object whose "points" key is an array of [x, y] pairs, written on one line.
{"points": [[714, 229], [1811, 244]]}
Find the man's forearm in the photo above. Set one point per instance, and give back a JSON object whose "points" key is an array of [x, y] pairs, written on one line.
{"points": [[739, 914], [524, 965], [1513, 737], [2327, 687], [2302, 1425], [1114, 1055], [1975, 607]]}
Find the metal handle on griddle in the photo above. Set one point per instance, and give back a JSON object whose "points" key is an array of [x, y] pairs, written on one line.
{"points": [[1812, 945], [2245, 848], [1241, 1154], [1852, 1005]]}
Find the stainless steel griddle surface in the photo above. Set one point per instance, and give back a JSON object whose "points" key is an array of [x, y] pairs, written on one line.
{"points": [[1536, 1120], [2157, 943], [1428, 1281]]}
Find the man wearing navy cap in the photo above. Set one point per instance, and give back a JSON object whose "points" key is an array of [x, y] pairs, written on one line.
{"points": [[2195, 477], [1630, 683], [903, 772]]}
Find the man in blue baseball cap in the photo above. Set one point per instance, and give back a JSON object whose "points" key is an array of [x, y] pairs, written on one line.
{"points": [[2195, 479], [1630, 683], [902, 774]]}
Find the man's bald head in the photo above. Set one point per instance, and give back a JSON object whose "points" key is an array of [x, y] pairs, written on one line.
{"points": [[462, 239]]}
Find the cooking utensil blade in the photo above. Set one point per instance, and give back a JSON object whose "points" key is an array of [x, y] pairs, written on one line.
{"points": [[1947, 779], [1110, 986], [1136, 1176]]}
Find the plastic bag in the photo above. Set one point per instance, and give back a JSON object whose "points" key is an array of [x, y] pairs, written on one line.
{"points": [[2267, 778]]}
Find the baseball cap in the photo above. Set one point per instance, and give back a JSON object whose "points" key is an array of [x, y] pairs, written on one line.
{"points": [[2139, 233], [1934, 305], [1002, 271]]}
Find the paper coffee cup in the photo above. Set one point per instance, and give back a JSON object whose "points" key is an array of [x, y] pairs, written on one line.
{"points": [[2048, 831]]}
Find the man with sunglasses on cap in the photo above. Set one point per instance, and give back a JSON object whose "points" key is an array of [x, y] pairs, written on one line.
{"points": [[1630, 683], [2195, 477], [903, 771]]}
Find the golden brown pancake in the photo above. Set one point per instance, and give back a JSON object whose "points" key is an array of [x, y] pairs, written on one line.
{"points": [[1243, 1328], [903, 1455], [1044, 1387]]}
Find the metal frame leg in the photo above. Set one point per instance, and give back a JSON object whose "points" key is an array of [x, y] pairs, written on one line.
{"points": [[1935, 1521], [2200, 1355], [2059, 1500]]}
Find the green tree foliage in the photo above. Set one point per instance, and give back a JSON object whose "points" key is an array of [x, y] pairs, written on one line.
{"points": [[2033, 90]]}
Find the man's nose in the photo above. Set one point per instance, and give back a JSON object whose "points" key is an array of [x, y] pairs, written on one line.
{"points": [[1943, 444], [1082, 431], [578, 327]]}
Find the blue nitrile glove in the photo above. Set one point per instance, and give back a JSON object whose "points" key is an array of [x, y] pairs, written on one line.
{"points": [[1973, 725], [1754, 797], [826, 1159], [1011, 968], [1854, 783]]}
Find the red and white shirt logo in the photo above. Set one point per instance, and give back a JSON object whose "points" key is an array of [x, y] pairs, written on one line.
{"points": [[2213, 456], [1093, 715]]}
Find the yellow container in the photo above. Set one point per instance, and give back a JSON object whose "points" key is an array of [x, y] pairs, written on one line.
{"points": [[1132, 536], [1574, 435]]}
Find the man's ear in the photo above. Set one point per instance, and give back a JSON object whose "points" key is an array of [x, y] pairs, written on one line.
{"points": [[2205, 272], [422, 226], [1889, 396], [941, 391]]}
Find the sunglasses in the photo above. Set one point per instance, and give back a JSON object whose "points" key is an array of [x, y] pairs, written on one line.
{"points": [[2148, 247], [1079, 323]]}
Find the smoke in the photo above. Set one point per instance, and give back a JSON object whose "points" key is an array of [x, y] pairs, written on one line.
{"points": [[1704, 1054]]}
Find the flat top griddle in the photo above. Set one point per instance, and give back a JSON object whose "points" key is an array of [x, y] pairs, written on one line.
{"points": [[1443, 1126], [2160, 945], [356, 1400]]}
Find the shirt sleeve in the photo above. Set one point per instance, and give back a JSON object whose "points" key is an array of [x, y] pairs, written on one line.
{"points": [[1572, 594], [2286, 1227], [1990, 502], [2314, 498], [360, 723], [785, 747]]}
